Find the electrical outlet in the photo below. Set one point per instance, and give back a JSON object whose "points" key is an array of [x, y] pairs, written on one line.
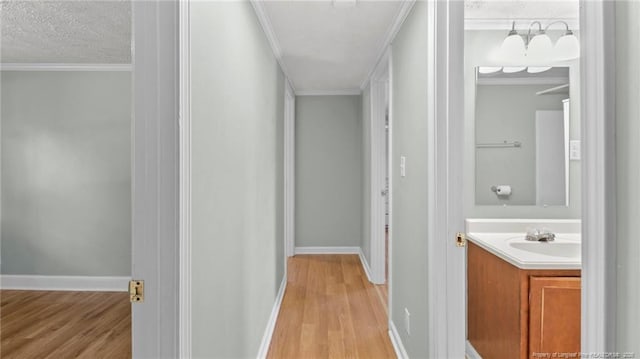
{"points": [[407, 321], [403, 166]]}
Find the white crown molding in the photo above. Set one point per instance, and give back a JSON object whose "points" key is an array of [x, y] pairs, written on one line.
{"points": [[64, 67], [389, 36], [521, 24], [344, 92], [327, 250], [263, 18], [273, 318], [65, 283], [398, 347], [523, 81]]}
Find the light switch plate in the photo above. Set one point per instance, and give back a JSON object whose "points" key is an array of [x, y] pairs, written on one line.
{"points": [[403, 166], [574, 150]]}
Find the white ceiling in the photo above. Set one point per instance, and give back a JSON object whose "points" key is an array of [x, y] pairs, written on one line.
{"points": [[65, 31], [330, 48]]}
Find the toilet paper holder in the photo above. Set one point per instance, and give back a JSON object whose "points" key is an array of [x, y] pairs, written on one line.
{"points": [[502, 190]]}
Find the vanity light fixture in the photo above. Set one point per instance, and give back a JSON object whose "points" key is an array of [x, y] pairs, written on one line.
{"points": [[536, 47], [513, 47]]}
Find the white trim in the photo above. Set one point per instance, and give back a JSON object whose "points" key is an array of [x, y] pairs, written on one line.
{"points": [[365, 264], [446, 269], [597, 80], [396, 341], [377, 174], [522, 81], [521, 24], [391, 33], [185, 311], [64, 67], [390, 194], [273, 319], [471, 352], [289, 171], [66, 283], [343, 92], [327, 250], [263, 18]]}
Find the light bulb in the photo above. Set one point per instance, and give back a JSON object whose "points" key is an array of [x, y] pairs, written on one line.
{"points": [[540, 49], [567, 47], [488, 69], [512, 49], [512, 69], [538, 69]]}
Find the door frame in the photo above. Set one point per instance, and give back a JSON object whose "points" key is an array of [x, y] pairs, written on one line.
{"points": [[447, 322], [289, 171], [155, 188], [184, 333], [379, 85], [447, 319], [597, 81]]}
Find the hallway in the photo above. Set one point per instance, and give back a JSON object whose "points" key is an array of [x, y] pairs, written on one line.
{"points": [[330, 310]]}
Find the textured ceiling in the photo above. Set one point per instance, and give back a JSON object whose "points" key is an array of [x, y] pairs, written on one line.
{"points": [[65, 31], [521, 9], [330, 48]]}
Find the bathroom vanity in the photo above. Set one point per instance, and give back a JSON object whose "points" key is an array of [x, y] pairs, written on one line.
{"points": [[523, 298]]}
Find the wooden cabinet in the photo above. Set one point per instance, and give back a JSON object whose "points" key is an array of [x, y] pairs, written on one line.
{"points": [[513, 312], [554, 315]]}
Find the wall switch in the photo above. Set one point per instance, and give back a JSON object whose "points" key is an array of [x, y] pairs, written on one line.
{"points": [[574, 150], [403, 166], [407, 322]]}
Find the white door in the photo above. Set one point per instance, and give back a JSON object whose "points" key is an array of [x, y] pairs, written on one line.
{"points": [[155, 178]]}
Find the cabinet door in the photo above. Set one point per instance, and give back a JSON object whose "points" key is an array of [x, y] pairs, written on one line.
{"points": [[554, 315]]}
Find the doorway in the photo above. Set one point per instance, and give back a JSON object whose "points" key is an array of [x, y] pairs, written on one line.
{"points": [[378, 133], [67, 155]]}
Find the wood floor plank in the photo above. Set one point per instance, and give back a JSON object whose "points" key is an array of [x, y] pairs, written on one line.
{"points": [[330, 310], [47, 324]]}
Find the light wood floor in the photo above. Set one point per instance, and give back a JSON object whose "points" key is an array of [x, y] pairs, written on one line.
{"points": [[35, 324], [330, 310]]}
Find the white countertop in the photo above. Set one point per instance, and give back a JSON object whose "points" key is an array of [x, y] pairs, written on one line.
{"points": [[505, 246], [508, 243]]}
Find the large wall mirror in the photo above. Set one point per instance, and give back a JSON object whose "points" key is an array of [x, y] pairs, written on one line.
{"points": [[522, 136]]}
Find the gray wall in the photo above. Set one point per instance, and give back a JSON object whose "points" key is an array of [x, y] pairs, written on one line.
{"points": [[366, 171], [480, 46], [508, 112], [409, 131], [628, 173], [238, 96], [66, 173], [328, 171]]}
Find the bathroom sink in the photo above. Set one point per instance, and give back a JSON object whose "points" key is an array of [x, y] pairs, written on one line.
{"points": [[557, 248]]}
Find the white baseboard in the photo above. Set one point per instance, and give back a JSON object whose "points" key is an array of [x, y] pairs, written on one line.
{"points": [[327, 250], [66, 283], [271, 324], [365, 264], [401, 353], [471, 351]]}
